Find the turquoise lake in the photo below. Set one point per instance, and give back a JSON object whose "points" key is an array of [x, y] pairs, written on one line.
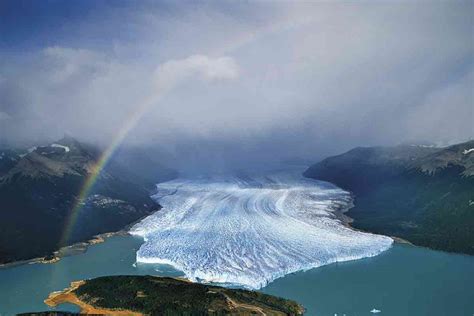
{"points": [[405, 280]]}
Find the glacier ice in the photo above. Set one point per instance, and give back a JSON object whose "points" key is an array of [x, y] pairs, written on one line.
{"points": [[249, 231]]}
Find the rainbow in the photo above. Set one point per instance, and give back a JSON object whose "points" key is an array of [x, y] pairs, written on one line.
{"points": [[99, 166], [230, 46]]}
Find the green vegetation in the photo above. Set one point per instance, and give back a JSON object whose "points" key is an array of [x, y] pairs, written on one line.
{"points": [[49, 313], [424, 195], [168, 296], [39, 189]]}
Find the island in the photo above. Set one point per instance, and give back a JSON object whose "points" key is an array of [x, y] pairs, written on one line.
{"points": [[143, 295]]}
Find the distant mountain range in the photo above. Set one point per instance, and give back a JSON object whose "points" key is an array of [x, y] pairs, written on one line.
{"points": [[419, 193], [39, 188]]}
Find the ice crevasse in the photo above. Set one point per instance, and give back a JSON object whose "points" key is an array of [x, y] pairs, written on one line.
{"points": [[249, 231]]}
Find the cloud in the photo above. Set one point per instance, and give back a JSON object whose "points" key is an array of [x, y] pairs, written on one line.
{"points": [[240, 82], [170, 73], [4, 116], [67, 63], [440, 108]]}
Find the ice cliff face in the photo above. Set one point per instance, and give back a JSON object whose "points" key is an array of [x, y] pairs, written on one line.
{"points": [[250, 231]]}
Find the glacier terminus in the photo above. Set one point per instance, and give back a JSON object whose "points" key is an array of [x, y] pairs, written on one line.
{"points": [[248, 231]]}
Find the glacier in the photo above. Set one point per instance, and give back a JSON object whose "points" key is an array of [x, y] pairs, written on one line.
{"points": [[248, 231]]}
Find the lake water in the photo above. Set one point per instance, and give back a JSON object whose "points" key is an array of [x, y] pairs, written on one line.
{"points": [[404, 280]]}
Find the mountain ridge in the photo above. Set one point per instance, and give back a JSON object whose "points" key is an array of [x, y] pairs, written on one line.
{"points": [[422, 194], [41, 188]]}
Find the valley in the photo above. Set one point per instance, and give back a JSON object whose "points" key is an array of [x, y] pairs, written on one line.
{"points": [[276, 232]]}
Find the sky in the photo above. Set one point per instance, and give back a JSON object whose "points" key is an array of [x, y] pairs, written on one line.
{"points": [[226, 84]]}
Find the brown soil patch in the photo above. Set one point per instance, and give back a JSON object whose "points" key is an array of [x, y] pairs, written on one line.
{"points": [[68, 296]]}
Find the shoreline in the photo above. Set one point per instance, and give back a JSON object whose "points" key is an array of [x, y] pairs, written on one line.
{"points": [[66, 251], [67, 295], [347, 221], [81, 247], [76, 248], [229, 301]]}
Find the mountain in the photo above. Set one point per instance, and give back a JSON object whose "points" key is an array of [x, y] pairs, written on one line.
{"points": [[149, 295], [422, 194], [39, 188], [141, 165], [8, 159]]}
